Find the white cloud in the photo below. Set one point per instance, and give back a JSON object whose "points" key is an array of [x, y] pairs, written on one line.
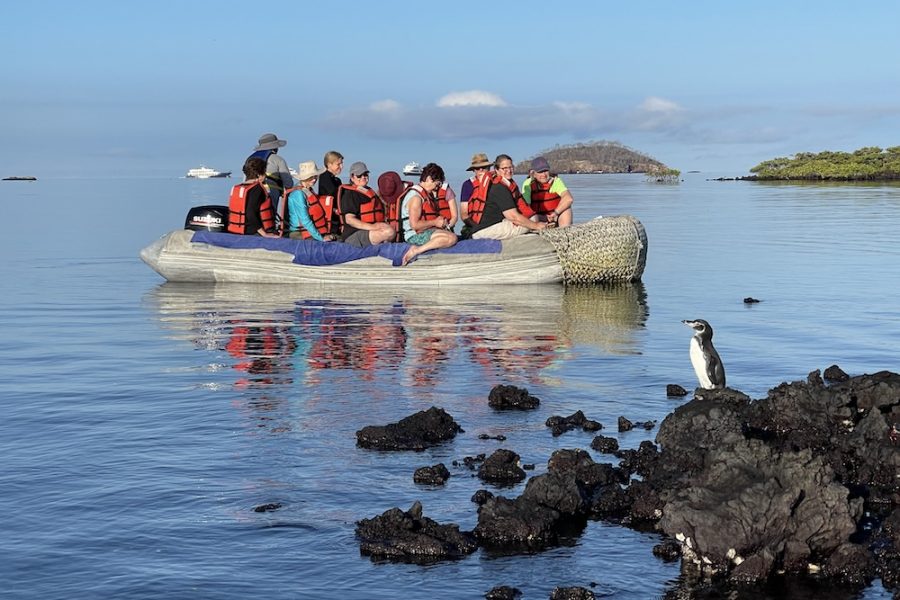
{"points": [[654, 104], [470, 98], [385, 106]]}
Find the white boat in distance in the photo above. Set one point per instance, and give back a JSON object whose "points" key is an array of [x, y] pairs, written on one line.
{"points": [[412, 168], [206, 173]]}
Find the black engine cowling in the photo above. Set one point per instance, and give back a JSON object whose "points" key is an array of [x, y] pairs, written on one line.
{"points": [[207, 218]]}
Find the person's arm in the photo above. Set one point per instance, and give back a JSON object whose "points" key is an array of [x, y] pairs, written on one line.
{"points": [[300, 215], [280, 167], [414, 208], [517, 218], [504, 199], [565, 196]]}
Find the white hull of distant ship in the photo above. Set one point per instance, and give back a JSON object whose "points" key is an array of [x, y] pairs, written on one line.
{"points": [[206, 173]]}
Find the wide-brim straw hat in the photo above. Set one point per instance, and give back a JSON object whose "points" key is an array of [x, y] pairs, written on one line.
{"points": [[308, 169], [479, 161]]}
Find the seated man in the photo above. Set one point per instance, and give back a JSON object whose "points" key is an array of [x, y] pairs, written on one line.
{"points": [[362, 211], [425, 228], [547, 195], [495, 209]]}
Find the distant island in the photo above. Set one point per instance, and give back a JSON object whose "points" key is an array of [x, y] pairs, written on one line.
{"points": [[865, 164], [596, 157], [20, 178]]}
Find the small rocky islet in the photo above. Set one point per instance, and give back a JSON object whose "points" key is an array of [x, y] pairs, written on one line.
{"points": [[800, 486]]}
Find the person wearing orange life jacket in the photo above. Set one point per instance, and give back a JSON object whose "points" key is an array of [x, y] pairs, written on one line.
{"points": [[278, 175], [250, 210], [498, 211], [547, 195], [308, 216], [362, 211], [422, 233], [443, 203], [391, 189], [479, 166]]}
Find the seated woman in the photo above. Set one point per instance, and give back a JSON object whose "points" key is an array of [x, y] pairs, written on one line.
{"points": [[250, 210], [308, 216], [548, 196], [362, 211], [424, 234]]}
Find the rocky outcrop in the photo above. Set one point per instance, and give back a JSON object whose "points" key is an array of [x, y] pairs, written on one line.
{"points": [[415, 432], [501, 468], [407, 536], [510, 397]]}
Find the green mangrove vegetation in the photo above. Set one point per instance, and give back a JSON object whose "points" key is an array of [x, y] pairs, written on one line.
{"points": [[865, 164]]}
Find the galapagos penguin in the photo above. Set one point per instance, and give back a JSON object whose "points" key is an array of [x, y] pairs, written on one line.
{"points": [[707, 364]]}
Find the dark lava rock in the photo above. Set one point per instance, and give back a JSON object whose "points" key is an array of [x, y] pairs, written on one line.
{"points": [[604, 444], [641, 461], [528, 467], [267, 507], [409, 537], [434, 475], [580, 463], [499, 438], [559, 425], [571, 593], [503, 592], [675, 390], [415, 432], [749, 300], [481, 496], [625, 424], [668, 550], [509, 397], [501, 467], [610, 502], [516, 525], [835, 373], [471, 462]]}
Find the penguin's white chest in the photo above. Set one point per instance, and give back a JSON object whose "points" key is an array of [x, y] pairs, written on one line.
{"points": [[698, 360]]}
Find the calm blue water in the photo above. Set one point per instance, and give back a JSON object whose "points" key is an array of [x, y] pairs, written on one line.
{"points": [[142, 422]]}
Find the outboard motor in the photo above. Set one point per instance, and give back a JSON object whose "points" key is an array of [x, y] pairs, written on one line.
{"points": [[207, 218]]}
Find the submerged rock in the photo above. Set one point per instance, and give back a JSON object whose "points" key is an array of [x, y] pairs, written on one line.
{"points": [[559, 425], [415, 432], [407, 536]]}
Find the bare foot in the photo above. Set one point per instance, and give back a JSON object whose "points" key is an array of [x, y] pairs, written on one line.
{"points": [[409, 256]]}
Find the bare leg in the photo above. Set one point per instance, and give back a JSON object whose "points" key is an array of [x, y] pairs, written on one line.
{"points": [[439, 239]]}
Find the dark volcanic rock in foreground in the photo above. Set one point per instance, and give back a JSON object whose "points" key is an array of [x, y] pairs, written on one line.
{"points": [[415, 432], [502, 468], [409, 537], [781, 484]]}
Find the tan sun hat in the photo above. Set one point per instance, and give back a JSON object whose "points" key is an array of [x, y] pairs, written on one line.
{"points": [[479, 161], [308, 169]]}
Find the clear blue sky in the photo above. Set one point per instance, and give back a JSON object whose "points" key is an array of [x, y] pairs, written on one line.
{"points": [[157, 87]]}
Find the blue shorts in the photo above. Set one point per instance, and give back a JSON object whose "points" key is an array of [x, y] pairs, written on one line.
{"points": [[420, 239]]}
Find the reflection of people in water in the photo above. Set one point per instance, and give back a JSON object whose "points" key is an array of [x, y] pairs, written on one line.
{"points": [[502, 352], [264, 353], [432, 339]]}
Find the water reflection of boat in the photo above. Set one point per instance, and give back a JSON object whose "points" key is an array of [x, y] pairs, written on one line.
{"points": [[271, 331]]}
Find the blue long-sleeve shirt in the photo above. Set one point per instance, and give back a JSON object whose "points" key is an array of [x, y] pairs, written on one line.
{"points": [[298, 214]]}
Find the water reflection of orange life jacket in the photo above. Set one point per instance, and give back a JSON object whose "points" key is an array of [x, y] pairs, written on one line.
{"points": [[237, 209], [543, 202], [480, 193], [371, 211], [320, 210], [437, 205]]}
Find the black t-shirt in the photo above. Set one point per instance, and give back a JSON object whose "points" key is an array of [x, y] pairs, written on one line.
{"points": [[253, 220], [351, 200], [499, 199], [328, 186]]}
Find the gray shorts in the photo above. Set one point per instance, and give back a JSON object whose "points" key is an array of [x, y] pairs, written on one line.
{"points": [[359, 239]]}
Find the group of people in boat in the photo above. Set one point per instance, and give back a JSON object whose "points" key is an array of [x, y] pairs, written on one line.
{"points": [[423, 214]]}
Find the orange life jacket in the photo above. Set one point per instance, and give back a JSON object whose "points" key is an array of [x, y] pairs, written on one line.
{"points": [[480, 192], [393, 212], [426, 200], [237, 209], [542, 201], [371, 211], [437, 205], [320, 210], [475, 207]]}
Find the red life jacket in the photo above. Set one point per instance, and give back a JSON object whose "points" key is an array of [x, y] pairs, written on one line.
{"points": [[371, 211], [320, 210], [393, 212], [237, 209], [426, 200], [437, 205], [475, 207], [479, 197], [542, 201]]}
